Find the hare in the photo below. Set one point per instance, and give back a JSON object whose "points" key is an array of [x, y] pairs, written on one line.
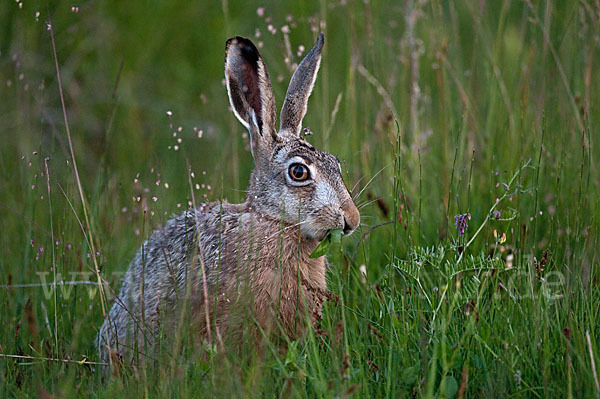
{"points": [[220, 256]]}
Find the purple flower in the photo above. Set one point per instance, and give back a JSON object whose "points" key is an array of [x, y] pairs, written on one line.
{"points": [[39, 253], [496, 214], [462, 223]]}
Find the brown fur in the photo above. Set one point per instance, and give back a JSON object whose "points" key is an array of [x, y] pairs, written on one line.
{"points": [[251, 261]]}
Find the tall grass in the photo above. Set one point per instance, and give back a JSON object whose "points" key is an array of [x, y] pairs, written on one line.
{"points": [[436, 108]]}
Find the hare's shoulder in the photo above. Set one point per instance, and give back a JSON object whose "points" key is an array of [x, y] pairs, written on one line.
{"points": [[194, 232], [181, 233]]}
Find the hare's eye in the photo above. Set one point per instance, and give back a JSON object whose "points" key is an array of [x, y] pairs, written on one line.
{"points": [[298, 172]]}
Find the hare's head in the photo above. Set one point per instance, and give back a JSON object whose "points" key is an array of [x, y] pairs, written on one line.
{"points": [[291, 180]]}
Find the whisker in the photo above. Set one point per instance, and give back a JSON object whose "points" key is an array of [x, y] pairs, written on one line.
{"points": [[367, 203], [369, 231], [356, 184], [371, 180]]}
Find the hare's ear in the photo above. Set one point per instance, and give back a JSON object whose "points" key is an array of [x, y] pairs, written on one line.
{"points": [[250, 92], [301, 85]]}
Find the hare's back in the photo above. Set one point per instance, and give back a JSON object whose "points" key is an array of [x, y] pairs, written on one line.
{"points": [[172, 256]]}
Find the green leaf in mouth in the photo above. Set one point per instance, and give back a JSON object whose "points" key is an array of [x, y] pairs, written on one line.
{"points": [[334, 236]]}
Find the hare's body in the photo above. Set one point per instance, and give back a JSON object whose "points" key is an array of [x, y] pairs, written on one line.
{"points": [[169, 269], [253, 256]]}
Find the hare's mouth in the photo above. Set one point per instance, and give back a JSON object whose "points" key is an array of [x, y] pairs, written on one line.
{"points": [[316, 230], [320, 235], [316, 234]]}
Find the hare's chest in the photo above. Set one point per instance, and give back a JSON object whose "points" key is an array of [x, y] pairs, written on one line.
{"points": [[293, 294], [300, 278]]}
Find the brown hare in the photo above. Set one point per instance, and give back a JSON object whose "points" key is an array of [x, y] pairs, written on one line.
{"points": [[215, 258]]}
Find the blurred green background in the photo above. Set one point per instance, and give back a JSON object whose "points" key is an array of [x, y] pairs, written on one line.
{"points": [[431, 105]]}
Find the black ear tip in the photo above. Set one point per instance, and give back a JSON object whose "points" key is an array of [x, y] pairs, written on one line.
{"points": [[230, 41], [246, 48], [241, 42]]}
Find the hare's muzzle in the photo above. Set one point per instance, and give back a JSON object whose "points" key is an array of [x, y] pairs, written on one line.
{"points": [[351, 216]]}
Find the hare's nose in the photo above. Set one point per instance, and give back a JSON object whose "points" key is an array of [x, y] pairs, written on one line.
{"points": [[351, 217], [347, 228]]}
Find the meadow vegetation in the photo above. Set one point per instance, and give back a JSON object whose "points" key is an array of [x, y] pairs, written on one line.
{"points": [[469, 136]]}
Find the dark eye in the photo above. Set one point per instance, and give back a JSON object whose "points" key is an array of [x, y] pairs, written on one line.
{"points": [[298, 172]]}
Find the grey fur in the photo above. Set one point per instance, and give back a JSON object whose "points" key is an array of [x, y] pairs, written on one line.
{"points": [[301, 85], [253, 254]]}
